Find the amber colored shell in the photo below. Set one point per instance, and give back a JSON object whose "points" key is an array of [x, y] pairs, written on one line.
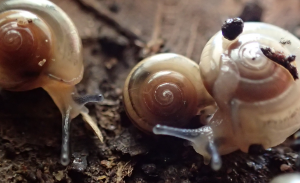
{"points": [[40, 47], [38, 42], [164, 89], [23, 47]]}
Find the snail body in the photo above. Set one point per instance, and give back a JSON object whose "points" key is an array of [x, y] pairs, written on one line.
{"points": [[40, 47], [252, 78], [260, 104]]}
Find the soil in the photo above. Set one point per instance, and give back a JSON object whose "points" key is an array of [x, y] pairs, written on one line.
{"points": [[116, 35]]}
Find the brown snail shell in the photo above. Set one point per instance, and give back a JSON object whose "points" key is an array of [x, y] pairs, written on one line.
{"points": [[164, 89], [40, 47]]}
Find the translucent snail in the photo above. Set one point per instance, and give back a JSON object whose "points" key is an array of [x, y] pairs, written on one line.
{"points": [[253, 80], [258, 99], [40, 47]]}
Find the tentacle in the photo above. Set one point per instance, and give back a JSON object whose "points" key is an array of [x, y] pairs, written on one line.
{"points": [[216, 161], [65, 149], [70, 105], [82, 100], [188, 134], [201, 139]]}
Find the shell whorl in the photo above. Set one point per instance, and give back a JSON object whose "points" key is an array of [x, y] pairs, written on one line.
{"points": [[245, 58], [252, 78], [66, 47], [253, 92], [164, 89], [23, 47], [40, 47]]}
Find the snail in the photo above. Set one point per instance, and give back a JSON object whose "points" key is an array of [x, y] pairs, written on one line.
{"points": [[40, 47], [287, 178], [251, 76], [164, 89]]}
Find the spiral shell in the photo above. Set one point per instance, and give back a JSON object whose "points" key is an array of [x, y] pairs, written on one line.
{"points": [[40, 47], [244, 56], [253, 80], [40, 40], [18, 40], [259, 98], [38, 44], [164, 89]]}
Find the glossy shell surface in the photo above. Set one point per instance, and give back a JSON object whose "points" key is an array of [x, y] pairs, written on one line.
{"points": [[164, 89], [257, 98]]}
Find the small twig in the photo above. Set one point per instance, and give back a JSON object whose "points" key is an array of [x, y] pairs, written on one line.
{"points": [[106, 16], [157, 22], [193, 37], [155, 44]]}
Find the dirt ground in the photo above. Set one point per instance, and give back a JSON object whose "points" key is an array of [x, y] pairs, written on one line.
{"points": [[116, 35]]}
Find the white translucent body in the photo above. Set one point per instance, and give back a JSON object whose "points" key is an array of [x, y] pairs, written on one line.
{"points": [[258, 100]]}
